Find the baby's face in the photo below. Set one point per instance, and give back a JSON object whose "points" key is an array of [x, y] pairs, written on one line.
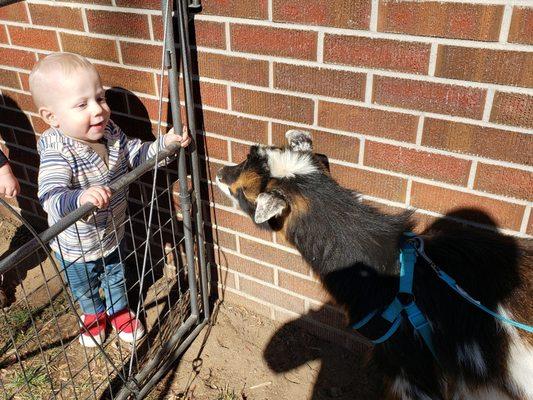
{"points": [[79, 106]]}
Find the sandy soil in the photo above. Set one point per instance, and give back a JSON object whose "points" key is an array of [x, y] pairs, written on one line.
{"points": [[245, 356]]}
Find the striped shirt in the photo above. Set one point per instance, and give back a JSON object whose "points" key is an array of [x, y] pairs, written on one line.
{"points": [[67, 168]]}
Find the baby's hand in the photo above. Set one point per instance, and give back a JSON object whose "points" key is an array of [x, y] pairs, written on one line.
{"points": [[9, 185], [97, 195], [184, 139]]}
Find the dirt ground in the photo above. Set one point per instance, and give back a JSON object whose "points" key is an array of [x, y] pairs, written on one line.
{"points": [[244, 356]]}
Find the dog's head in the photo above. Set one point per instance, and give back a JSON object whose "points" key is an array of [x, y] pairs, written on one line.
{"points": [[265, 184]]}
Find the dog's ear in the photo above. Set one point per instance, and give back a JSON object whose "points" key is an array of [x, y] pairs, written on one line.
{"points": [[299, 140], [269, 204]]}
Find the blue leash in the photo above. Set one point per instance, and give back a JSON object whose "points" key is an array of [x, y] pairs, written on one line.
{"points": [[463, 293], [405, 299]]}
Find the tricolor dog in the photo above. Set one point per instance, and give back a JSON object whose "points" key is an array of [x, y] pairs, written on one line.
{"points": [[355, 250]]}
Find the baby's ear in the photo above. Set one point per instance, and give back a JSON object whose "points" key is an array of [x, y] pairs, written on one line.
{"points": [[48, 116], [269, 205]]}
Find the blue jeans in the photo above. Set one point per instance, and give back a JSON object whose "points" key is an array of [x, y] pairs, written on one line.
{"points": [[86, 278]]}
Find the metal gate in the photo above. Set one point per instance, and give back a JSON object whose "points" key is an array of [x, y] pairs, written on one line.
{"points": [[165, 266]]}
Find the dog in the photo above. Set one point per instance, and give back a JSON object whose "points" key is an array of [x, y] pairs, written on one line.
{"points": [[354, 249]]}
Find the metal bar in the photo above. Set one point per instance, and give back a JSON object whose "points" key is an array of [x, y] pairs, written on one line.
{"points": [[185, 198], [164, 368], [191, 117], [28, 248], [159, 356]]}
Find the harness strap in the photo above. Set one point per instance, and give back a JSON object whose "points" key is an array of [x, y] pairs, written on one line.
{"points": [[404, 301]]}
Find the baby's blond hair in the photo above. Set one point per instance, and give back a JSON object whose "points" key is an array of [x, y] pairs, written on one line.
{"points": [[64, 63]]}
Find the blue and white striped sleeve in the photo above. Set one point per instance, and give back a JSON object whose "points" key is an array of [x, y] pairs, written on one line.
{"points": [[55, 192], [138, 151]]}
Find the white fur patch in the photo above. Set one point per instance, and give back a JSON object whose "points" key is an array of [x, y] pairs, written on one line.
{"points": [[288, 164], [225, 189], [469, 355], [519, 360], [405, 391], [487, 393]]}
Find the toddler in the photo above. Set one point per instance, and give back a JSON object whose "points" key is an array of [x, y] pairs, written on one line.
{"points": [[81, 154]]}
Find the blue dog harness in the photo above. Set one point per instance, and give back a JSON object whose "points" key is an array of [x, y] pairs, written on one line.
{"points": [[411, 247]]}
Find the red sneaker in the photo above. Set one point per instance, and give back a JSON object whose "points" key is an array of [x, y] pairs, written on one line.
{"points": [[92, 329], [127, 325]]}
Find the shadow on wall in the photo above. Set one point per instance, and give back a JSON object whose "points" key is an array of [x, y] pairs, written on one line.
{"points": [[21, 143]]}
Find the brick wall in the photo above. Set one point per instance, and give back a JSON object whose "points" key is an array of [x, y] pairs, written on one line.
{"points": [[417, 104]]}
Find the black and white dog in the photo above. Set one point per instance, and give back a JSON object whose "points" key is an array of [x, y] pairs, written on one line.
{"points": [[355, 249]]}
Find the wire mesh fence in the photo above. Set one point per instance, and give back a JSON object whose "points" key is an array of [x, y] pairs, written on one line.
{"points": [[161, 250], [40, 356]]}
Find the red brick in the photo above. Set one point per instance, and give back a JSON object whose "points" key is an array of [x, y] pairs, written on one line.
{"points": [[222, 239], [239, 152], [321, 81], [432, 18], [529, 229], [141, 54], [146, 108], [305, 287], [56, 16], [506, 181], [233, 126], [339, 147], [244, 266], [370, 183], [101, 49], [350, 14], [239, 300], [9, 78], [238, 223], [204, 93], [25, 79], [14, 12], [215, 148], [477, 140], [225, 279], [270, 41], [118, 23], [255, 9], [23, 101], [417, 163], [235, 69], [441, 200], [368, 121], [485, 65], [34, 38], [3, 34], [150, 4], [101, 2], [271, 295], [210, 34], [377, 53], [273, 105], [17, 58], [211, 193], [38, 124], [275, 256], [209, 94], [512, 109], [137, 81], [521, 30], [429, 96]]}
